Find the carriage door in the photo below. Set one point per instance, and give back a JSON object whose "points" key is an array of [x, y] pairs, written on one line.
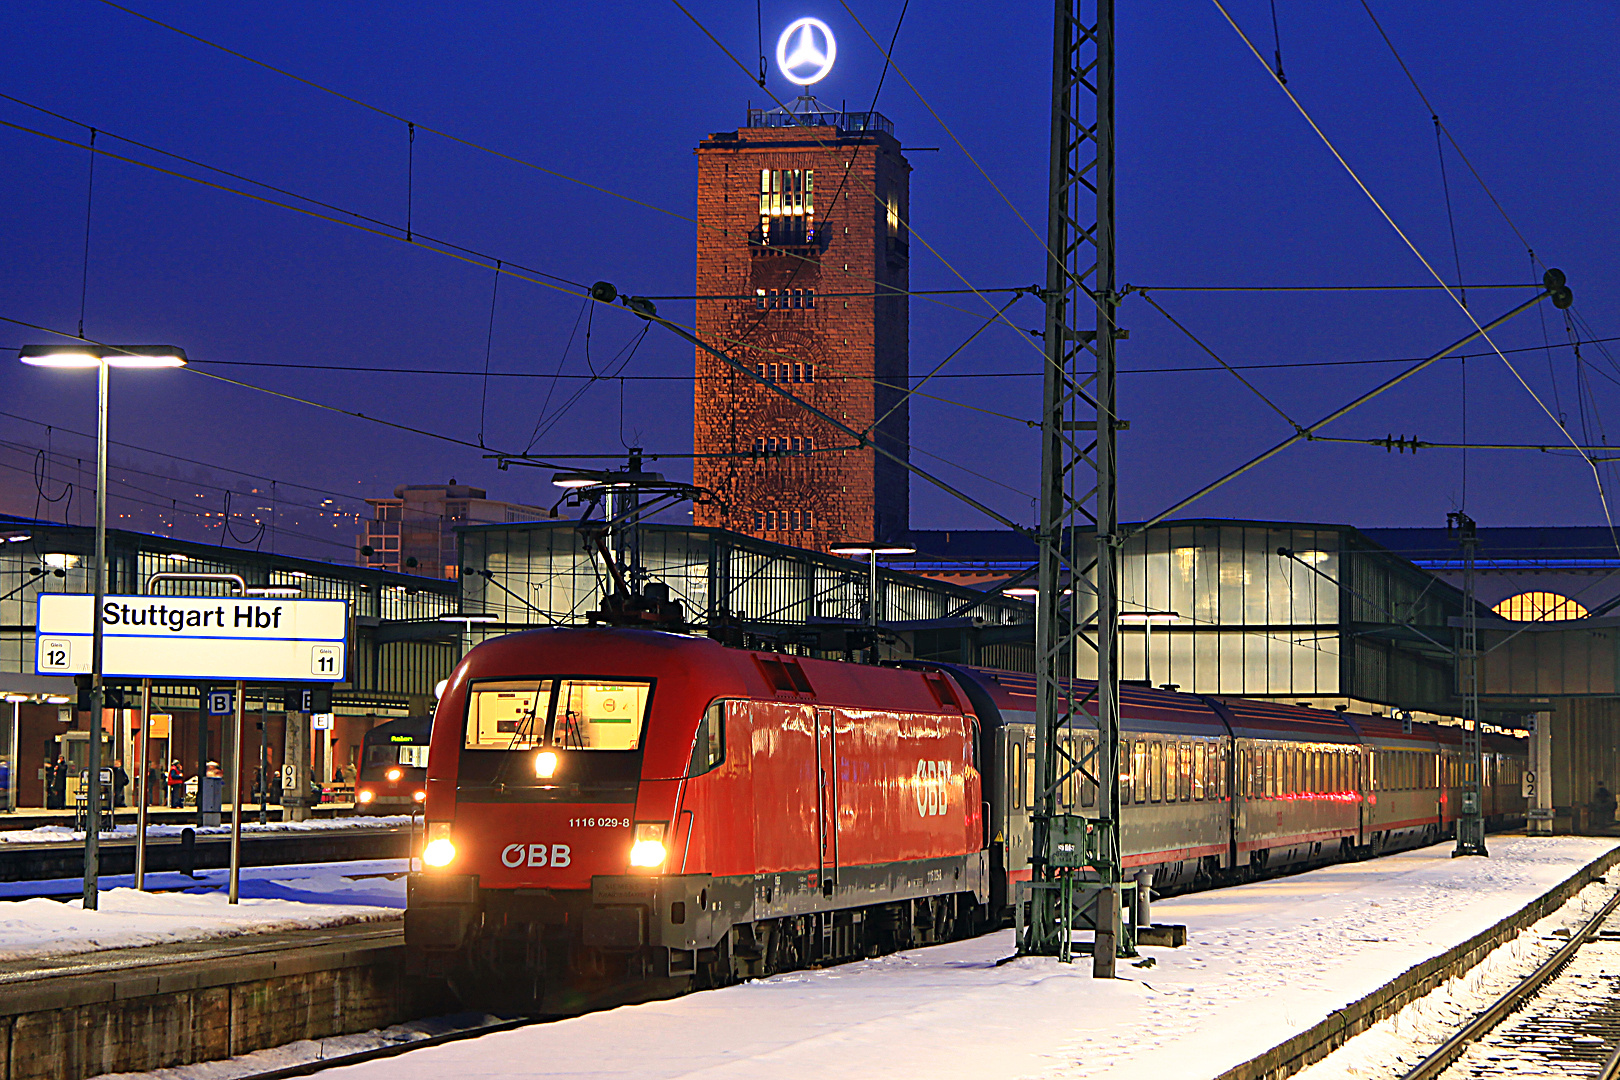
{"points": [[827, 796]]}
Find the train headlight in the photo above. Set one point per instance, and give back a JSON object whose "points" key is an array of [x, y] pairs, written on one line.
{"points": [[420, 796], [545, 764], [648, 849], [394, 774], [365, 795], [439, 850]]}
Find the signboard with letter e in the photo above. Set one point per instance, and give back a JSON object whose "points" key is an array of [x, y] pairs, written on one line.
{"points": [[195, 637]]}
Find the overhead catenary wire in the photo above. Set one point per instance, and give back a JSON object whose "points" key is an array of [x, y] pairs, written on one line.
{"points": [[443, 134], [1597, 476], [848, 171], [1196, 340]]}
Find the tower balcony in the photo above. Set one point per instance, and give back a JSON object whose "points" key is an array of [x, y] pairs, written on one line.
{"points": [[787, 235]]}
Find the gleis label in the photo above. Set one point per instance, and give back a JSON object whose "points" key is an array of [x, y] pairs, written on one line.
{"points": [[932, 786], [516, 855]]}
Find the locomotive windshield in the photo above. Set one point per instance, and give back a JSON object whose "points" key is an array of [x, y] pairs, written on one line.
{"points": [[575, 714]]}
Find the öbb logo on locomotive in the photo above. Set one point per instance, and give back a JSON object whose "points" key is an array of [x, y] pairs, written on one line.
{"points": [[933, 782], [516, 855]]}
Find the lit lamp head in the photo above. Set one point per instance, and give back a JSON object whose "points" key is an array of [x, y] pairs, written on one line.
{"points": [[852, 550], [78, 355], [577, 479], [1147, 618]]}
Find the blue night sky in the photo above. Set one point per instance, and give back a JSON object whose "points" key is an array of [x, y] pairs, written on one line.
{"points": [[1221, 183]]}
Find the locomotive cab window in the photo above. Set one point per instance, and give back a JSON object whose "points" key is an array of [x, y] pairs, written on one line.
{"points": [[508, 715], [575, 714], [597, 715], [709, 745]]}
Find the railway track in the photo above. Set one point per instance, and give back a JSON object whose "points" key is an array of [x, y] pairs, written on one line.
{"points": [[1563, 1019]]}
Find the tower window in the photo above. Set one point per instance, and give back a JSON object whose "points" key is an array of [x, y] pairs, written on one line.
{"points": [[809, 298], [759, 299], [787, 205], [762, 371], [759, 521]]}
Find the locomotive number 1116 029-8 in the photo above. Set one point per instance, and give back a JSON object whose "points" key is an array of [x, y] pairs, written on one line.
{"points": [[598, 823]]}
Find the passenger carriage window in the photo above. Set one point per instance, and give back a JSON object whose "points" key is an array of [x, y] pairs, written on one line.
{"points": [[1139, 770], [1155, 770], [1015, 769], [1069, 772], [507, 715], [1088, 787], [1029, 774], [1200, 764]]}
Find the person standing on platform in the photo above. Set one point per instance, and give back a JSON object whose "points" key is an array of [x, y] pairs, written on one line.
{"points": [[56, 785], [1603, 804], [177, 784], [120, 782]]}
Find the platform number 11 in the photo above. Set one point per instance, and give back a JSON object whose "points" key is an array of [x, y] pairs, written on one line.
{"points": [[323, 661]]}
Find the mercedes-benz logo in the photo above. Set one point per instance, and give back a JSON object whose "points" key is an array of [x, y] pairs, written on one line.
{"points": [[805, 52]]}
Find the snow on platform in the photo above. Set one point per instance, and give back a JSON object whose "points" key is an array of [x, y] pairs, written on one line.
{"points": [[125, 918], [365, 881], [1263, 962], [56, 834]]}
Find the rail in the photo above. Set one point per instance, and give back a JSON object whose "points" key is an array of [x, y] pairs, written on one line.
{"points": [[1450, 1050]]}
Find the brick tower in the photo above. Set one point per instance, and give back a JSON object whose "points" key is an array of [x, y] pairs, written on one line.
{"points": [[799, 224]]}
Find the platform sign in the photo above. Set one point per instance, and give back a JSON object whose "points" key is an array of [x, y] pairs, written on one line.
{"points": [[221, 702], [321, 721], [195, 637]]}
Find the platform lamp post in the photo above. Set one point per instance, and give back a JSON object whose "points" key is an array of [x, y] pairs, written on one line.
{"points": [[80, 354], [1146, 619], [872, 551], [467, 619]]}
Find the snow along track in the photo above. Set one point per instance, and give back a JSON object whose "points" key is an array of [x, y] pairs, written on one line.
{"points": [[1563, 1019]]}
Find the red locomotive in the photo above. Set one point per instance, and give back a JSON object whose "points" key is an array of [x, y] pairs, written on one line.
{"points": [[616, 814], [608, 807]]}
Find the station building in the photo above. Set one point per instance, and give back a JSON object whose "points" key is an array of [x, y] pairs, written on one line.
{"points": [[397, 651]]}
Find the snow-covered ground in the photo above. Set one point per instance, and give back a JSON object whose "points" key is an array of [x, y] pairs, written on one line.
{"points": [[1393, 1047], [54, 834], [371, 881], [124, 918], [1263, 962]]}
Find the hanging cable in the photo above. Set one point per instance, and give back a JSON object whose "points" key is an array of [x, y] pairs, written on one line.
{"points": [[1276, 39], [1546, 341], [759, 28], [89, 196], [1212, 354], [1445, 187], [410, 177], [1555, 280], [489, 343]]}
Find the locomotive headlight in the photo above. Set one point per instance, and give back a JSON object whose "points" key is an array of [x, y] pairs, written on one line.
{"points": [[648, 849], [366, 795], [419, 796], [394, 774], [439, 850], [545, 764]]}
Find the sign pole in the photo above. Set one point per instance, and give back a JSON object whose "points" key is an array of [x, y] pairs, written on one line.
{"points": [[92, 825], [264, 757], [236, 793], [142, 786]]}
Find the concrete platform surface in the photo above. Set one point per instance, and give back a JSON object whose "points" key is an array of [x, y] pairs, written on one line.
{"points": [[1263, 963]]}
